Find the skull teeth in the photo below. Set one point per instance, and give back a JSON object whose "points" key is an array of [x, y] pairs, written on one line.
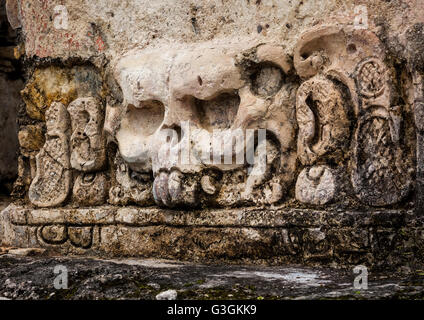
{"points": [[160, 190], [208, 185], [169, 190]]}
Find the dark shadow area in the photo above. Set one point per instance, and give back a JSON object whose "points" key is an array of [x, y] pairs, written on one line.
{"points": [[11, 83]]}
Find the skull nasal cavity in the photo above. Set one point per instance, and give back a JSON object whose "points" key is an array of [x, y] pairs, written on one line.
{"points": [[267, 80], [147, 118], [218, 113]]}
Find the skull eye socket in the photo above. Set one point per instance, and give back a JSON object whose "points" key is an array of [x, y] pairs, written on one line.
{"points": [[218, 113], [146, 119], [266, 80]]}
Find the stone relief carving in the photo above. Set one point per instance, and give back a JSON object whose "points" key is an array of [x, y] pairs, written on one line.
{"points": [[316, 185], [381, 172], [91, 189], [80, 237], [53, 179], [54, 234], [353, 60], [418, 83], [219, 90], [88, 151], [130, 186], [87, 141], [322, 118], [333, 109]]}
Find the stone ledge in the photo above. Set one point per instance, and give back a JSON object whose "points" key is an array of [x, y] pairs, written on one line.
{"points": [[382, 239], [237, 217]]}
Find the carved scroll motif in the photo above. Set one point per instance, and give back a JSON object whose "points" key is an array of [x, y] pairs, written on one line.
{"points": [[323, 122]]}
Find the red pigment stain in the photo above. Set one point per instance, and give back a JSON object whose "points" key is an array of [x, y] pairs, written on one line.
{"points": [[100, 44]]}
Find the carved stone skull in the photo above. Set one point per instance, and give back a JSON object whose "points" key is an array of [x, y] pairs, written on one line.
{"points": [[185, 108]]}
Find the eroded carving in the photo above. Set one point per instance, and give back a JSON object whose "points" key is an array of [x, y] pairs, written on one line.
{"points": [[316, 185], [323, 123], [354, 60], [91, 189], [81, 237], [54, 234], [87, 142], [371, 78], [381, 171], [53, 179], [131, 187], [184, 111]]}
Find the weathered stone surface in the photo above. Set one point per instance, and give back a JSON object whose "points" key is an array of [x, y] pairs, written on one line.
{"points": [[32, 277], [241, 235], [382, 174], [271, 129], [167, 295], [129, 186], [31, 138], [418, 83], [316, 185], [52, 183], [55, 234], [87, 141], [152, 23], [26, 252], [234, 93], [91, 189], [58, 84], [81, 236], [13, 13], [382, 169], [9, 101], [319, 104]]}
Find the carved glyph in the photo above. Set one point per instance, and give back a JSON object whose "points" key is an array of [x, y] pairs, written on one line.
{"points": [[53, 179], [381, 169], [380, 175], [87, 141], [91, 189], [79, 237]]}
